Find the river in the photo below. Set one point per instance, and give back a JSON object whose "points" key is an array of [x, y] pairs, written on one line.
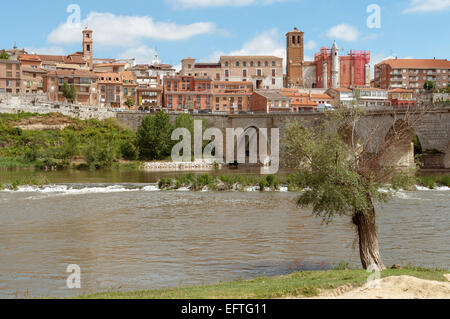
{"points": [[126, 235]]}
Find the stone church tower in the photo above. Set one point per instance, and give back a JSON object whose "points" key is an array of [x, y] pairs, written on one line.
{"points": [[87, 48], [295, 59]]}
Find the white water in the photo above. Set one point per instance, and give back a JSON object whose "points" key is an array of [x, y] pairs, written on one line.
{"points": [[104, 189]]}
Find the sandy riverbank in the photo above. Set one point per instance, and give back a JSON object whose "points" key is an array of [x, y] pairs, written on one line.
{"points": [[396, 287]]}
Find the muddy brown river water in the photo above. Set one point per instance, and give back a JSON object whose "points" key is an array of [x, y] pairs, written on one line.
{"points": [[126, 235]]}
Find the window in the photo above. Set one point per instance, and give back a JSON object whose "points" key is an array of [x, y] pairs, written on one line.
{"points": [[274, 72], [259, 63], [252, 64], [244, 64], [266, 64], [226, 64], [244, 73], [227, 74], [274, 63], [237, 64]]}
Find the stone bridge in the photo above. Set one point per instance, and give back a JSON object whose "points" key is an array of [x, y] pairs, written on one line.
{"points": [[433, 130]]}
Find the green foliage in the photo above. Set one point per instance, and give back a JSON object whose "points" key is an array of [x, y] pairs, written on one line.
{"points": [[129, 151], [429, 85], [298, 284], [129, 102], [263, 184], [324, 165], [402, 180], [4, 55], [26, 148], [444, 180], [417, 145], [69, 92], [100, 153], [154, 137], [71, 145]]}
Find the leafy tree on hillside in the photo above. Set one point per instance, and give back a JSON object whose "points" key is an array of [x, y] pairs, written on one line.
{"points": [[154, 137]]}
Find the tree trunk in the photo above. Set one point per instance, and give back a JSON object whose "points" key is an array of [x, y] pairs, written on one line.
{"points": [[365, 221]]}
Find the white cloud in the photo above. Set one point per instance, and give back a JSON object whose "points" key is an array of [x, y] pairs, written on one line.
{"points": [[343, 32], [265, 43], [143, 54], [427, 6], [122, 31], [310, 45], [218, 3], [53, 50]]}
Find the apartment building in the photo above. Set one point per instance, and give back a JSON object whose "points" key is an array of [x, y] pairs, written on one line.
{"points": [[265, 72], [129, 83], [411, 74], [110, 89], [231, 97], [32, 73], [187, 93], [85, 83], [269, 101], [149, 91], [10, 76]]}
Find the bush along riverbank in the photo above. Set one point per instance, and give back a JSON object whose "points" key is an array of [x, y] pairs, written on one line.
{"points": [[54, 141]]}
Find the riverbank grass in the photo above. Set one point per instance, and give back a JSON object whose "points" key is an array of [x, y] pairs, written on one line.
{"points": [[298, 284]]}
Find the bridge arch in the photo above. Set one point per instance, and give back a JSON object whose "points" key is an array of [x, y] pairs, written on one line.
{"points": [[398, 146]]}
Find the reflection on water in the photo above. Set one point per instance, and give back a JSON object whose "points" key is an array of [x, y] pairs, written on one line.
{"points": [[139, 238]]}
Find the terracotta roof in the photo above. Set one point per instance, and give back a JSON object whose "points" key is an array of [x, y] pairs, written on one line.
{"points": [[73, 73], [400, 91], [271, 94], [29, 57], [110, 64], [342, 90], [321, 96], [417, 63], [249, 57], [70, 59]]}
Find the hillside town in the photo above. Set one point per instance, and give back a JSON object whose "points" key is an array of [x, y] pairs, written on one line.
{"points": [[232, 85]]}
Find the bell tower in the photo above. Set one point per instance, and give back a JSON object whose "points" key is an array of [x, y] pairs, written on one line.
{"points": [[87, 48], [295, 58]]}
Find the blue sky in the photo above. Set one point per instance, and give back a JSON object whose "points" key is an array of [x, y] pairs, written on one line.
{"points": [[206, 29]]}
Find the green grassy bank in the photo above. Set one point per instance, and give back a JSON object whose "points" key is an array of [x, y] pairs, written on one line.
{"points": [[299, 284]]}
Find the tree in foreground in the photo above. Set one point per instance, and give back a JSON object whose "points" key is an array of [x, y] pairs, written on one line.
{"points": [[154, 137], [342, 176]]}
